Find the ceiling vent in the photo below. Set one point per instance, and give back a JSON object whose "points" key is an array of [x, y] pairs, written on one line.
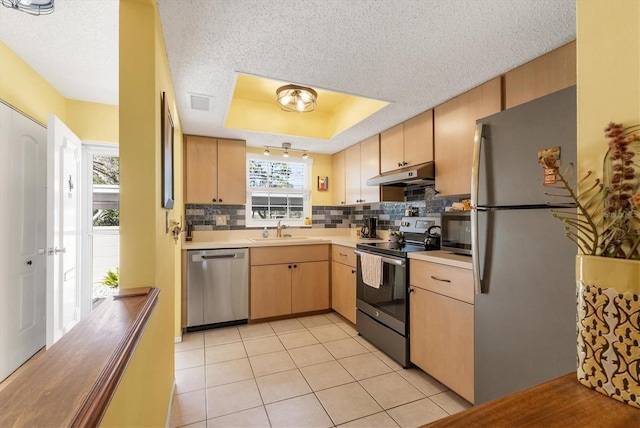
{"points": [[199, 102]]}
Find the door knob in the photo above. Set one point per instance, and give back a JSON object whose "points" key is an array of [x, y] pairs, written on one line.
{"points": [[59, 250]]}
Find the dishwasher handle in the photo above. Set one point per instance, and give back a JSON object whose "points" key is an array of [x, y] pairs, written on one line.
{"points": [[221, 256], [203, 257]]}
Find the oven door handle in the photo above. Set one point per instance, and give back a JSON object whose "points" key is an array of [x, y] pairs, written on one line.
{"points": [[385, 259]]}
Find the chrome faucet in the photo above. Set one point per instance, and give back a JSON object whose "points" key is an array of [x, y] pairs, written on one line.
{"points": [[279, 229]]}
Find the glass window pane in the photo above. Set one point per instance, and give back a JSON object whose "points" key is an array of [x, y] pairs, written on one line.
{"points": [[278, 213], [296, 200], [106, 190], [279, 200], [289, 204]]}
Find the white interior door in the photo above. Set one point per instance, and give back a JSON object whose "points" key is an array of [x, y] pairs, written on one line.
{"points": [[63, 223], [23, 165]]}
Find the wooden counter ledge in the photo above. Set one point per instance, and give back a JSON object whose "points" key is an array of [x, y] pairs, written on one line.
{"points": [[72, 383], [561, 402]]}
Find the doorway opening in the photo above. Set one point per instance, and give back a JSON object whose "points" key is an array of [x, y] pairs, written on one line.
{"points": [[101, 218]]}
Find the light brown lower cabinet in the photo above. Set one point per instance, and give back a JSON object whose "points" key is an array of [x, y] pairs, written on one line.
{"points": [[442, 339], [343, 290], [309, 287], [270, 291], [288, 280], [441, 324]]}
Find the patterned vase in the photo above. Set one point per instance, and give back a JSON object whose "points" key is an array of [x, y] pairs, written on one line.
{"points": [[608, 322]]}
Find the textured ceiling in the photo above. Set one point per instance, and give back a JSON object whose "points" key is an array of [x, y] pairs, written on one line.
{"points": [[413, 53], [75, 48]]}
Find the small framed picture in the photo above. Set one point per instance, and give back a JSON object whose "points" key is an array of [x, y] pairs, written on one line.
{"points": [[323, 183]]}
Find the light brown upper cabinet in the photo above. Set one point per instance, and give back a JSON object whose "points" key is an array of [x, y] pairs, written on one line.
{"points": [[362, 163], [409, 143], [392, 148], [544, 75], [215, 171], [338, 168], [369, 167], [454, 129], [352, 168]]}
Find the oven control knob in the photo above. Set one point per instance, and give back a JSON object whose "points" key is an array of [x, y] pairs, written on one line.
{"points": [[377, 314]]}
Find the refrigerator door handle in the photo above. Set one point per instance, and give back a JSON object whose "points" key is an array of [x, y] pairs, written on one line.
{"points": [[475, 177]]}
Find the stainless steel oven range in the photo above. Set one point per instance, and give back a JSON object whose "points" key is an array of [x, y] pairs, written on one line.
{"points": [[383, 313]]}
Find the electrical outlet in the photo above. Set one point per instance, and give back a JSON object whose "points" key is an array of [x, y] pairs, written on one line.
{"points": [[221, 220]]}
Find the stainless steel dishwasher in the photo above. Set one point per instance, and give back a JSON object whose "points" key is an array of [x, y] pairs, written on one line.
{"points": [[217, 287]]}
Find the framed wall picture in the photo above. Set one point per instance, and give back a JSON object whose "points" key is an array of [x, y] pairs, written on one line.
{"points": [[323, 183], [167, 155]]}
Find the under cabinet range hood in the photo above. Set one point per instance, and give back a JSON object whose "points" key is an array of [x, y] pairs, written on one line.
{"points": [[423, 173]]}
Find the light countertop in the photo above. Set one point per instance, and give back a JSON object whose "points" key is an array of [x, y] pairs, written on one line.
{"points": [[242, 239], [346, 240], [443, 257]]}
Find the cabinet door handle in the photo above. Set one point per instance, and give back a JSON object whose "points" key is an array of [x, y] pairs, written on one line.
{"points": [[295, 266], [289, 266], [214, 200], [411, 290], [220, 200], [440, 279], [399, 163], [343, 255], [353, 271]]}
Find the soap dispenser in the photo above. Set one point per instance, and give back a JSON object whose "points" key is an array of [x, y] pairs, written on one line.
{"points": [[265, 232]]}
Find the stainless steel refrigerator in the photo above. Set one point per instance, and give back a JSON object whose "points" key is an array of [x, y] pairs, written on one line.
{"points": [[524, 266]]}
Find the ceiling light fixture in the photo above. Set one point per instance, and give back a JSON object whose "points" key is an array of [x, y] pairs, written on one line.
{"points": [[296, 98], [32, 7], [287, 148]]}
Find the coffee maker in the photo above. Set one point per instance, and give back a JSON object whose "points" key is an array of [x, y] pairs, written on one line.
{"points": [[370, 228]]}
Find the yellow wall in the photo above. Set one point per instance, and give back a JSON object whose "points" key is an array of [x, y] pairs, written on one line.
{"points": [[148, 255], [608, 74], [24, 89], [93, 122], [321, 167]]}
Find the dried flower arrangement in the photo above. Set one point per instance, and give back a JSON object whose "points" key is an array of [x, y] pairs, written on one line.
{"points": [[606, 221]]}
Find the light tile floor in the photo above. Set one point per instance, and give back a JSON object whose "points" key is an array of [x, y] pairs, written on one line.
{"points": [[307, 372]]}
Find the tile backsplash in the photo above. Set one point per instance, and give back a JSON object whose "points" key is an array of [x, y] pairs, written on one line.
{"points": [[232, 217]]}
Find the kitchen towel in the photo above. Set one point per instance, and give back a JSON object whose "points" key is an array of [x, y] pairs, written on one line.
{"points": [[371, 269]]}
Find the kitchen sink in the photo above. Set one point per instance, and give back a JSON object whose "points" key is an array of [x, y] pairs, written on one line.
{"points": [[281, 238]]}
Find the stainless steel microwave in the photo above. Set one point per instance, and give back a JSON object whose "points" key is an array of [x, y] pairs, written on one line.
{"points": [[456, 232]]}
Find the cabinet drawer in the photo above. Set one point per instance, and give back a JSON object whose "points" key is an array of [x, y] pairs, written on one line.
{"points": [[289, 254], [446, 280], [344, 255]]}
